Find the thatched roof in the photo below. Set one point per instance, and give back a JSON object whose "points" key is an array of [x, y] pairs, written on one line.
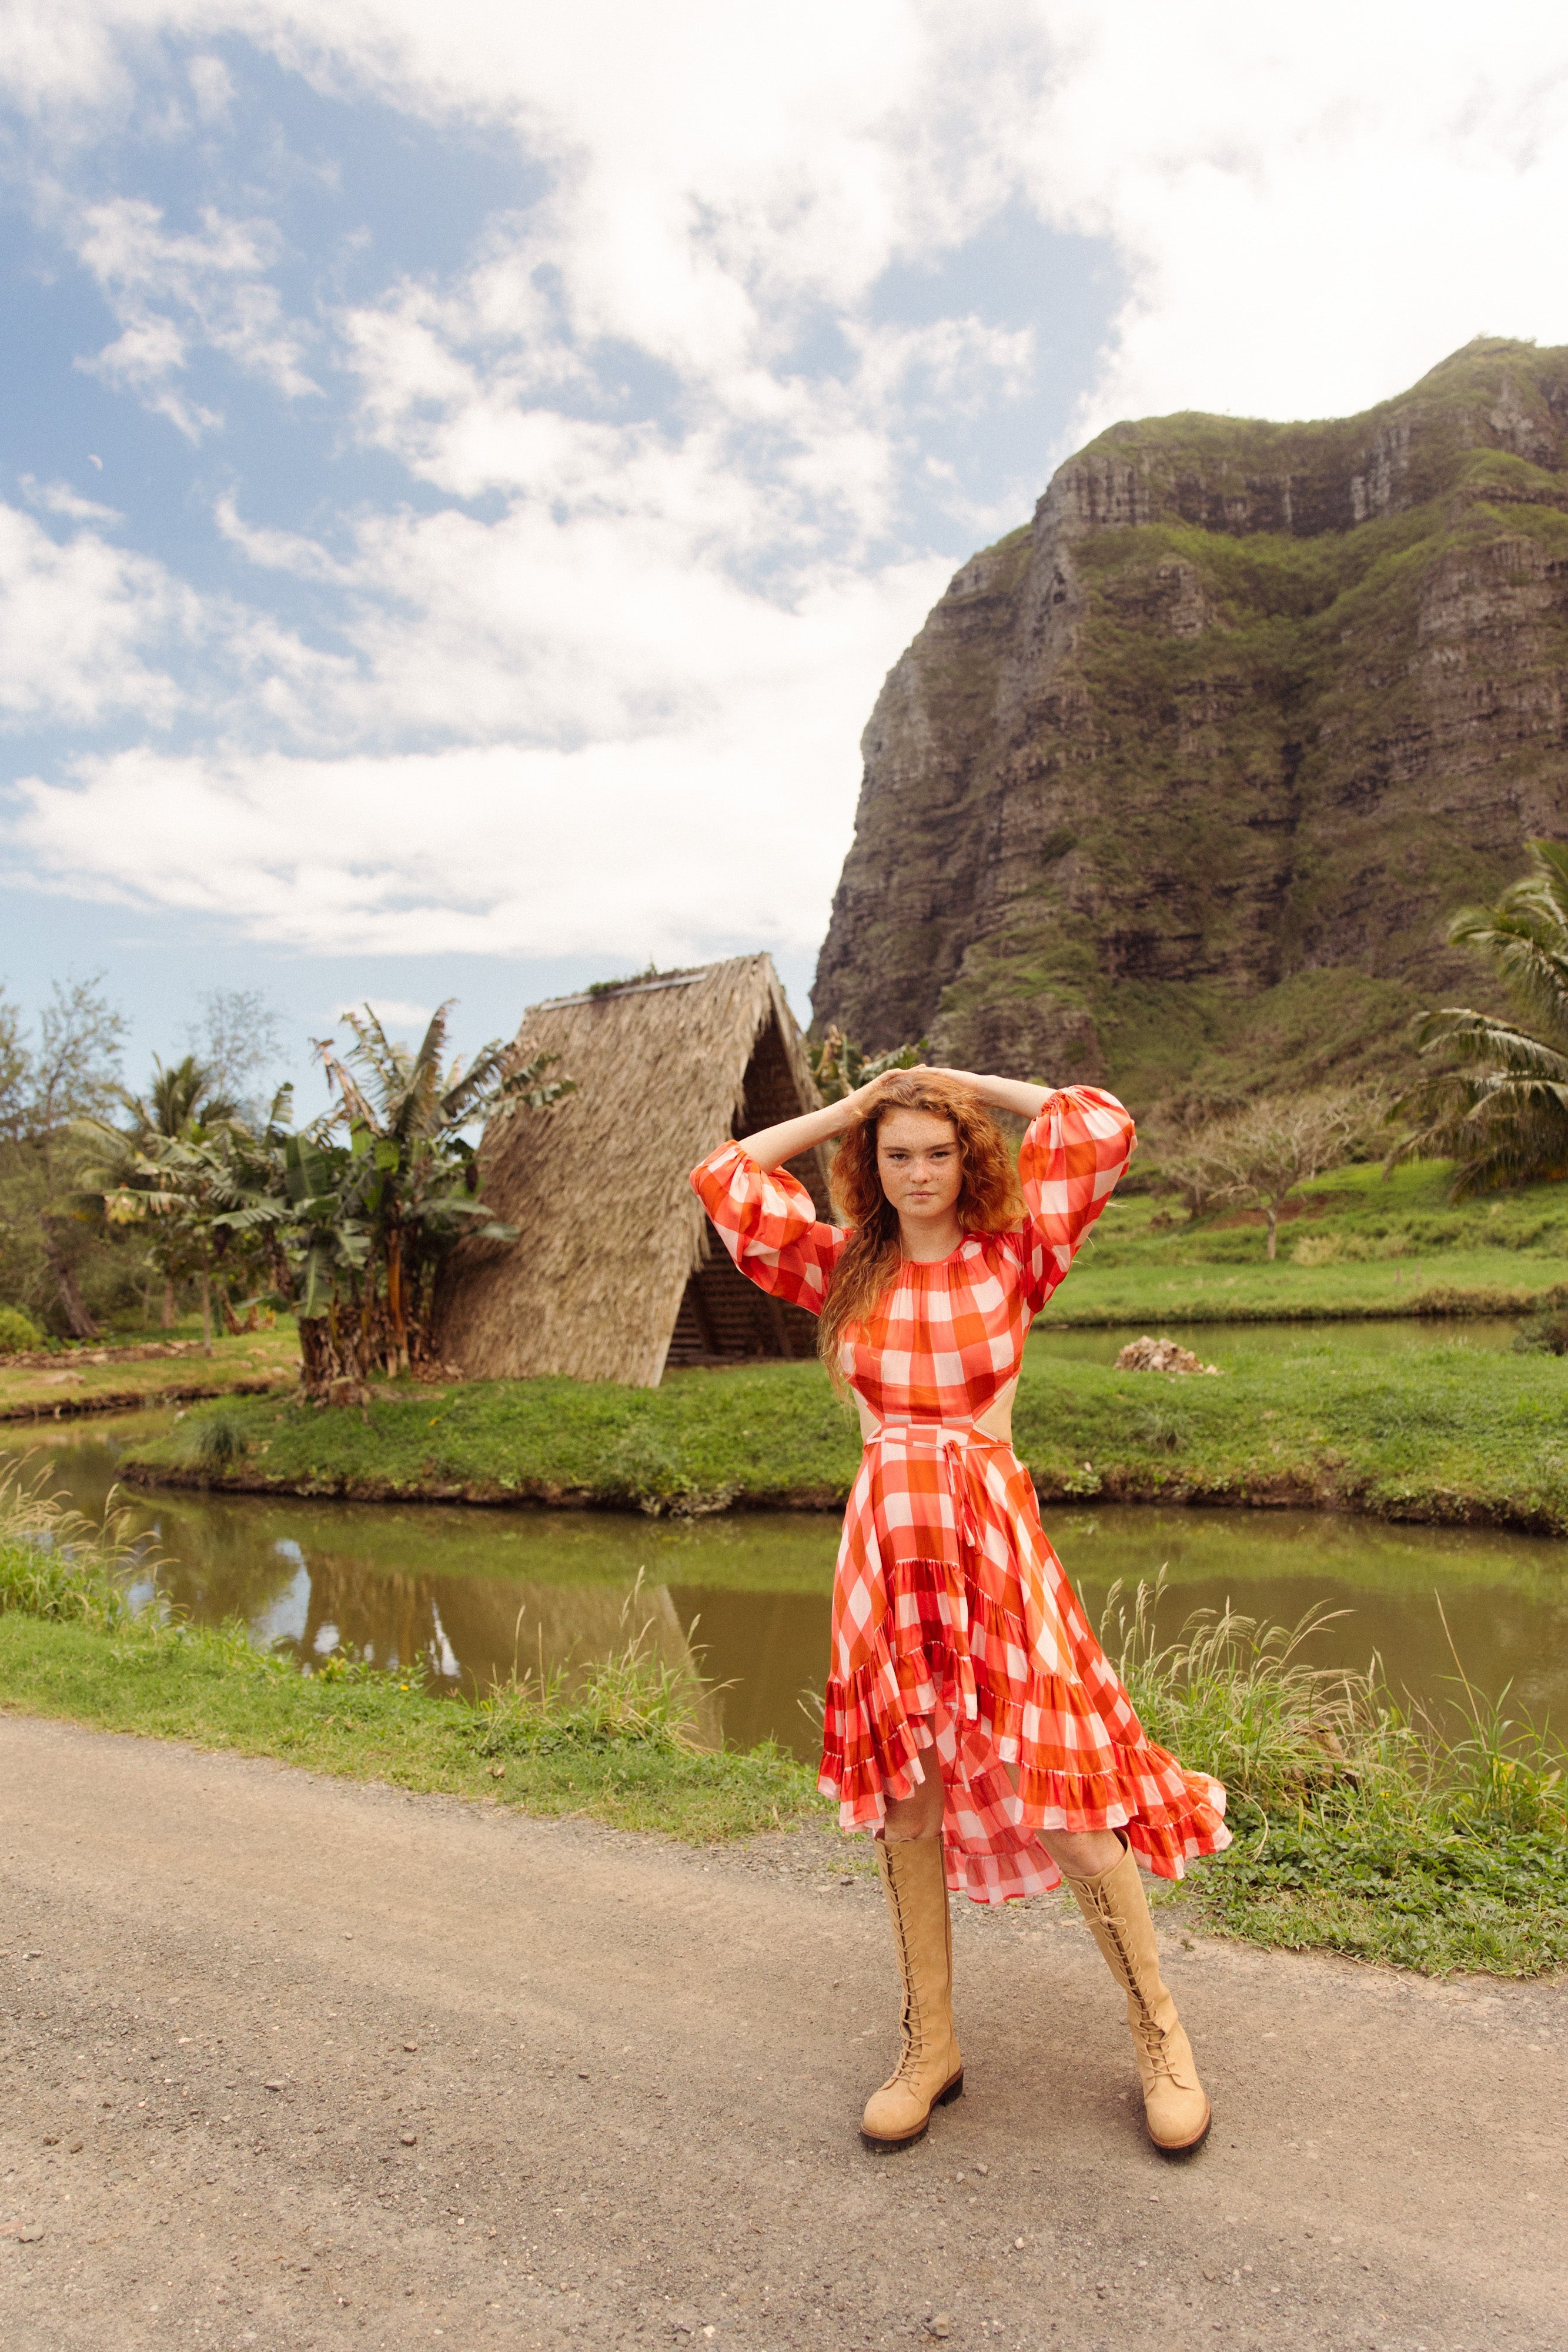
{"points": [[609, 1231]]}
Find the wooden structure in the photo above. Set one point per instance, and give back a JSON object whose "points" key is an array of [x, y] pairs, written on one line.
{"points": [[614, 1273]]}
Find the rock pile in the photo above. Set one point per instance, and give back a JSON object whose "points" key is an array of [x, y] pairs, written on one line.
{"points": [[1146, 1355]]}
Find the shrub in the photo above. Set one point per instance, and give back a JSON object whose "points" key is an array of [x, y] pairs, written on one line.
{"points": [[1543, 1335], [216, 1441], [17, 1332]]}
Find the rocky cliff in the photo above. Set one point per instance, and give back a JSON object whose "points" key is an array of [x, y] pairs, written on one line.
{"points": [[1180, 781]]}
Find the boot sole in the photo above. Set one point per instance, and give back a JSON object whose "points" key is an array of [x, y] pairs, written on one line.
{"points": [[945, 2097], [1183, 2147]]}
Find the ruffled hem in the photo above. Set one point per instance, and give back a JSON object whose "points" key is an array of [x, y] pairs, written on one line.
{"points": [[934, 1692]]}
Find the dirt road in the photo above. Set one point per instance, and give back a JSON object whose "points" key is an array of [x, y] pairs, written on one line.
{"points": [[290, 2062]]}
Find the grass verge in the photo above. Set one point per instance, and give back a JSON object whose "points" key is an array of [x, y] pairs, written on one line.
{"points": [[1444, 1434], [1359, 1827], [615, 1743], [128, 1373]]}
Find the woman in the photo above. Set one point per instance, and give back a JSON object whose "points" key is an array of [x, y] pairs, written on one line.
{"points": [[969, 1707]]}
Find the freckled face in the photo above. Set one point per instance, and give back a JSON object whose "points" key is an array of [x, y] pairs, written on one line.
{"points": [[919, 1161]]}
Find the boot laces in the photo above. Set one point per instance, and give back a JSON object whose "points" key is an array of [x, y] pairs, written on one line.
{"points": [[1151, 2034], [913, 2044]]}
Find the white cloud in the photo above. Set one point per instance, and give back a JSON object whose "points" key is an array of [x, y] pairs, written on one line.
{"points": [[174, 292], [60, 498], [1313, 209], [726, 824], [82, 627], [211, 86], [403, 1023]]}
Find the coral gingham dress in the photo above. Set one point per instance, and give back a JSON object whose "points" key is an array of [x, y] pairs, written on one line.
{"points": [[954, 1626]]}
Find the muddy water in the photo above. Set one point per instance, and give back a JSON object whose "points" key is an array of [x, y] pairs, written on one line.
{"points": [[460, 1594]]}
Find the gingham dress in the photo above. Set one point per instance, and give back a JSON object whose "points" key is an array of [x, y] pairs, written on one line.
{"points": [[954, 1626]]}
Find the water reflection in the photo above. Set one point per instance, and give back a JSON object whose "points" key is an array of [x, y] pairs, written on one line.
{"points": [[460, 1596], [463, 1597]]}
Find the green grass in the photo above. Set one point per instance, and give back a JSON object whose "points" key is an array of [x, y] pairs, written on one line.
{"points": [[72, 1382], [1355, 1244], [698, 1443], [1445, 1434]]}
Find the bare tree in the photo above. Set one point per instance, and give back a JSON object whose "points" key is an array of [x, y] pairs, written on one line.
{"points": [[237, 1040], [1259, 1154]]}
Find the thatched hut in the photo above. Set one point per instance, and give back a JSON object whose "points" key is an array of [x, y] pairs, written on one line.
{"points": [[614, 1273]]}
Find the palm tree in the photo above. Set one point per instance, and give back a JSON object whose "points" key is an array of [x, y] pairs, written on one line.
{"points": [[202, 1193], [181, 1098], [180, 1106], [839, 1065], [1497, 1104]]}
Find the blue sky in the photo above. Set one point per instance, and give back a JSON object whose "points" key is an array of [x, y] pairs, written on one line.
{"points": [[465, 475]]}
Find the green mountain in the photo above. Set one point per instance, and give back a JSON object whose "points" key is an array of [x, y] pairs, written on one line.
{"points": [[1179, 782]]}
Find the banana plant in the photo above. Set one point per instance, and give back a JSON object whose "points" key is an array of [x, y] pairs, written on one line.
{"points": [[415, 1179]]}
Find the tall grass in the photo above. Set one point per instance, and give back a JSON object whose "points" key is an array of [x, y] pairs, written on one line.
{"points": [[57, 1564], [1436, 1838], [632, 1696]]}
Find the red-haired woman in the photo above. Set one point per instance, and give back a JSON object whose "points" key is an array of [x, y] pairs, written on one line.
{"points": [[970, 1711]]}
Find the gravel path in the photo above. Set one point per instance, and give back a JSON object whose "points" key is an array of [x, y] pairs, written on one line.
{"points": [[294, 2061]]}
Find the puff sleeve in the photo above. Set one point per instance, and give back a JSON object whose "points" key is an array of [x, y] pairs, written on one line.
{"points": [[1074, 1156], [769, 1223]]}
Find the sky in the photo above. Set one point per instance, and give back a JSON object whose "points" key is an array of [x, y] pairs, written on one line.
{"points": [[466, 471]]}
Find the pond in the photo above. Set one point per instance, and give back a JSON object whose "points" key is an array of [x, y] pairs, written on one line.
{"points": [[462, 1593]]}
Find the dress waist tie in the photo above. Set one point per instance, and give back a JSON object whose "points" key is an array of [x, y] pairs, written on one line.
{"points": [[949, 1441]]}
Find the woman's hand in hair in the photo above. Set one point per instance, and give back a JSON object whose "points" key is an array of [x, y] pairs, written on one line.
{"points": [[1016, 1095]]}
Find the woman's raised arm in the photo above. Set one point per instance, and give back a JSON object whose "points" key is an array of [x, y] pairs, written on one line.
{"points": [[771, 1147]]}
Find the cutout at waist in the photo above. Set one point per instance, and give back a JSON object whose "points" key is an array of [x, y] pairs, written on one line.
{"points": [[995, 1423]]}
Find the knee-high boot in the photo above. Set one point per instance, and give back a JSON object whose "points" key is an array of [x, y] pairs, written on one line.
{"points": [[1175, 2109], [930, 2071]]}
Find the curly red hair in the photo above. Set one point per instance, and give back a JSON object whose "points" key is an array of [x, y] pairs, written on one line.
{"points": [[988, 1198]]}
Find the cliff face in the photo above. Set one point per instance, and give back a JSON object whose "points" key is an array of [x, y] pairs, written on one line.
{"points": [[1179, 783]]}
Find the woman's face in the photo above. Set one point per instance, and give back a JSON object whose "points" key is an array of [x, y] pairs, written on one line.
{"points": [[919, 1161]]}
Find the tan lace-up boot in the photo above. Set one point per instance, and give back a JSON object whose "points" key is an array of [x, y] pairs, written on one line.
{"points": [[1175, 2110], [930, 2071]]}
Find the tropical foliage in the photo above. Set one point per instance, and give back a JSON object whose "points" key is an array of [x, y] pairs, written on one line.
{"points": [[1495, 1099], [382, 1188], [67, 1069], [344, 1221]]}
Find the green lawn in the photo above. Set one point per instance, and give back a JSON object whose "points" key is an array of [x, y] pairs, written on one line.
{"points": [[112, 1378], [1443, 1432], [1355, 1244], [213, 1689], [1357, 1830]]}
